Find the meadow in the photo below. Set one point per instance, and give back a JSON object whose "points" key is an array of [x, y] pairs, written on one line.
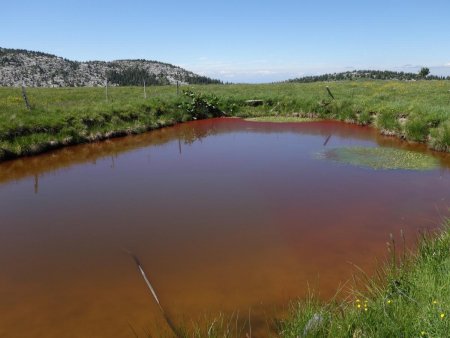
{"points": [[418, 111]]}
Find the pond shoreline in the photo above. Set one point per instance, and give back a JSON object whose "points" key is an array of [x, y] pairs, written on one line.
{"points": [[43, 147], [415, 112], [408, 296]]}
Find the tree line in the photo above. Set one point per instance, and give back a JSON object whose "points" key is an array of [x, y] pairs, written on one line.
{"points": [[136, 77], [423, 74]]}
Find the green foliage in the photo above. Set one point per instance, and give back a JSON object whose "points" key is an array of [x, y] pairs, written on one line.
{"points": [[135, 77], [368, 75], [200, 106], [424, 72], [198, 79]]}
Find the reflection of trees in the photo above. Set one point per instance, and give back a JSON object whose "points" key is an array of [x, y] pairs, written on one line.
{"points": [[191, 134], [36, 183]]}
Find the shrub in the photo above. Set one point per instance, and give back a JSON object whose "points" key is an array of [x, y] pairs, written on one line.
{"points": [[200, 106]]}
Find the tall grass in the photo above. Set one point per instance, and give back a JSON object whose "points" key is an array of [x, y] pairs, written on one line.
{"points": [[418, 111], [409, 297]]}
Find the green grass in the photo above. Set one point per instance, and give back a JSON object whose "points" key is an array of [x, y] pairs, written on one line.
{"points": [[66, 116], [409, 298], [281, 119], [417, 111]]}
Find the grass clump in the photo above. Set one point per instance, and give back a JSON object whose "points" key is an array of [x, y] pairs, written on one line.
{"points": [[409, 299], [382, 158], [388, 121], [417, 129], [281, 119], [440, 137]]}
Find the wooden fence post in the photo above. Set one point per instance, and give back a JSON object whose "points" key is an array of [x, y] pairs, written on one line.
{"points": [[106, 89], [25, 97]]}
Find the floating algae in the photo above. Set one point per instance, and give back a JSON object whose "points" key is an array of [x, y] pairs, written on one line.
{"points": [[382, 158]]}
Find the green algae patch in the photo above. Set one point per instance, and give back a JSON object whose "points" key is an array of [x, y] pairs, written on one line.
{"points": [[382, 158], [280, 119]]}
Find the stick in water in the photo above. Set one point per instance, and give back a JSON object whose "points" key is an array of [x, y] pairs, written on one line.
{"points": [[149, 285]]}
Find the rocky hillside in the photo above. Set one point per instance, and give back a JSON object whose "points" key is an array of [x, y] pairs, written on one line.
{"points": [[38, 69]]}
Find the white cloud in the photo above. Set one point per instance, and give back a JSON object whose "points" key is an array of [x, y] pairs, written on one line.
{"points": [[447, 64], [409, 66]]}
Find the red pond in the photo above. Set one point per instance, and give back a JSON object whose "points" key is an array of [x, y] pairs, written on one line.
{"points": [[225, 215]]}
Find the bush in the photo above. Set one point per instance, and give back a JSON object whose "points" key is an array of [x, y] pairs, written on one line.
{"points": [[200, 106]]}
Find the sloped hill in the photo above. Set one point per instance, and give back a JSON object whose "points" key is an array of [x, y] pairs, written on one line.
{"points": [[38, 69]]}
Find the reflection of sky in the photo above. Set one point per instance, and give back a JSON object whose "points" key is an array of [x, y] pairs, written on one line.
{"points": [[238, 40]]}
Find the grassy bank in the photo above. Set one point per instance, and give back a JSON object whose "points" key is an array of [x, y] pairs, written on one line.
{"points": [[67, 116], [417, 111], [409, 298]]}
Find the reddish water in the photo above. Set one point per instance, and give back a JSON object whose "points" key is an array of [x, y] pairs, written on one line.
{"points": [[225, 216]]}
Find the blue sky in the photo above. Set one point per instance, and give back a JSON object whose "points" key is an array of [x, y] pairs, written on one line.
{"points": [[238, 41]]}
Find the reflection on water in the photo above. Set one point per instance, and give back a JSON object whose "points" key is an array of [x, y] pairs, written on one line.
{"points": [[225, 215]]}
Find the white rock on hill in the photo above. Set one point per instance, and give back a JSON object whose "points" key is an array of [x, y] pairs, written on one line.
{"points": [[44, 70]]}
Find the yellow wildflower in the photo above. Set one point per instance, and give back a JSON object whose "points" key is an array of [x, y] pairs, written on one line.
{"points": [[442, 315], [389, 301], [434, 301]]}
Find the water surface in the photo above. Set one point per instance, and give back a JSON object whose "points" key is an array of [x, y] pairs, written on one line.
{"points": [[225, 215]]}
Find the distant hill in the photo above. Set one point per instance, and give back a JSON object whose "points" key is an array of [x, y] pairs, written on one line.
{"points": [[38, 69], [366, 75]]}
